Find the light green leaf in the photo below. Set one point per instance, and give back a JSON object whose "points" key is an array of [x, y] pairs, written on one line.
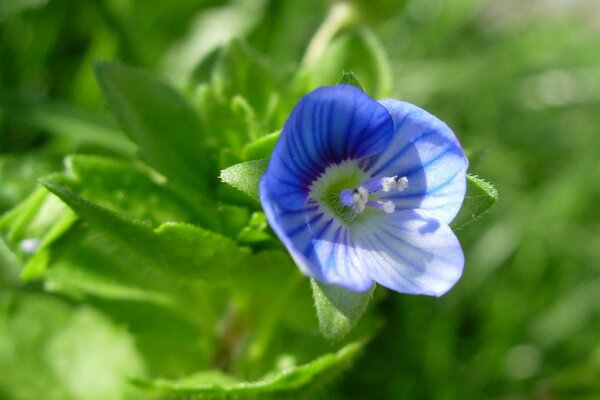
{"points": [[480, 196], [32, 226], [290, 380], [359, 51], [241, 70], [261, 148], [209, 29], [245, 176], [338, 309], [52, 350], [160, 121]]}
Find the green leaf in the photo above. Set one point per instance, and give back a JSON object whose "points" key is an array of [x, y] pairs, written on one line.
{"points": [[65, 120], [480, 196], [245, 176], [290, 380], [348, 78], [173, 247], [160, 121], [338, 309], [241, 70], [177, 249], [52, 350], [19, 174], [31, 228], [137, 190], [262, 147], [359, 51]]}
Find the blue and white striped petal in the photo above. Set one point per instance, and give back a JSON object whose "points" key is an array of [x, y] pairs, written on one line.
{"points": [[410, 252], [426, 152], [327, 126], [319, 244]]}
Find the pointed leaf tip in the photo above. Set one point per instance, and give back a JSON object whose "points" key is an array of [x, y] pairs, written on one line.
{"points": [[480, 196], [245, 176], [338, 309]]}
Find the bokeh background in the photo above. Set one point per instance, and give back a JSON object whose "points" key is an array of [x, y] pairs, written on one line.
{"points": [[518, 81]]}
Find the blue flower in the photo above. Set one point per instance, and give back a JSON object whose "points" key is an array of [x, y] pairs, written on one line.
{"points": [[361, 191]]}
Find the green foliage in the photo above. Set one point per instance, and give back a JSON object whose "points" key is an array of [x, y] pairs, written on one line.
{"points": [[121, 285], [62, 351], [219, 385], [338, 309], [348, 78], [245, 176], [480, 196], [164, 126], [359, 51], [173, 248]]}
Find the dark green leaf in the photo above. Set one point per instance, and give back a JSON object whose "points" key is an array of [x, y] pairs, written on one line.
{"points": [[160, 121], [480, 196], [338, 309], [64, 120]]}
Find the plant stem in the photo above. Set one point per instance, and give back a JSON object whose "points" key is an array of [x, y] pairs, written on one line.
{"points": [[340, 16]]}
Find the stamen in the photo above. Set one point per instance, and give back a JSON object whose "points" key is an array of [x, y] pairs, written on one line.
{"points": [[358, 198], [394, 182], [387, 207]]}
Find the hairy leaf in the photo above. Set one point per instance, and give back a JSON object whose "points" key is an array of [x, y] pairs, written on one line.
{"points": [[480, 196], [290, 380], [245, 176], [338, 309], [176, 248]]}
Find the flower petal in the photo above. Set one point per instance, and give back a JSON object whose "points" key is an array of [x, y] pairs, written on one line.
{"points": [[318, 243], [329, 125], [427, 152], [410, 252]]}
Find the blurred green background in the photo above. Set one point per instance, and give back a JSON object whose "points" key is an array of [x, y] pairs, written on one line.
{"points": [[518, 81]]}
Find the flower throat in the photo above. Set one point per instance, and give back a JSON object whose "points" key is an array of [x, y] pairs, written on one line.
{"points": [[344, 189]]}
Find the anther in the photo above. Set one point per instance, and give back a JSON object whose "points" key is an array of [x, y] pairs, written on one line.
{"points": [[394, 182], [358, 198]]}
